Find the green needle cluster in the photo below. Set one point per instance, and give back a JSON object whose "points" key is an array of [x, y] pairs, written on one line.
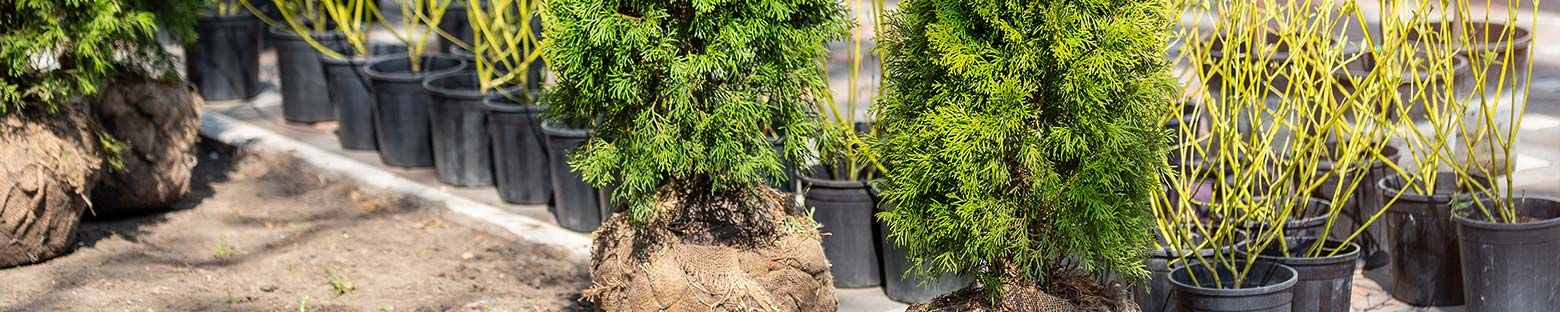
{"points": [[1021, 135], [681, 93]]}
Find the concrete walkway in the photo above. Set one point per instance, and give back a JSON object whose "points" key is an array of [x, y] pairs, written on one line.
{"points": [[1538, 167]]}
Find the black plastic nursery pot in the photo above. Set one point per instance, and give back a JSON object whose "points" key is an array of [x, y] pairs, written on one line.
{"points": [[1325, 283], [1365, 201], [1424, 260], [1496, 44], [1268, 287], [462, 145], [305, 92], [1156, 295], [401, 104], [1411, 83], [576, 205], [520, 170], [456, 23], [350, 94], [788, 185], [1511, 266], [1310, 219], [225, 62], [845, 210], [535, 73], [903, 285], [1202, 180], [1193, 124]]}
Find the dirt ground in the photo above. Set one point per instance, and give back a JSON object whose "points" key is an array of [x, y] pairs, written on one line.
{"points": [[266, 235]]}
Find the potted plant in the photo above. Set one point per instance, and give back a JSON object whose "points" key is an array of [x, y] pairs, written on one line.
{"points": [[837, 190], [463, 147], [1421, 240], [1507, 249], [305, 25], [225, 63], [520, 164], [343, 65], [1032, 179], [1309, 142], [350, 90], [1506, 239], [678, 120], [402, 104]]}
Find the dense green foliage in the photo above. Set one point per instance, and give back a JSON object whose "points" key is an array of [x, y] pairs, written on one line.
{"points": [[52, 50], [680, 93], [1021, 135]]}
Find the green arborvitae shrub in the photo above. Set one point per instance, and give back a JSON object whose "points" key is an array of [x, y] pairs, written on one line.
{"points": [[1021, 135], [681, 92], [53, 50]]}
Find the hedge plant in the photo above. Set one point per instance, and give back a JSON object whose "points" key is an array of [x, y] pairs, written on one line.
{"points": [[680, 92], [1022, 136], [52, 51]]}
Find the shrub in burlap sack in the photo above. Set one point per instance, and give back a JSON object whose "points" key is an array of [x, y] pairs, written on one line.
{"points": [[712, 256], [48, 166], [159, 123]]}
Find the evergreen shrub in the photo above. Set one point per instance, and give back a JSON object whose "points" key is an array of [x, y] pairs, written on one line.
{"points": [[1022, 137], [52, 51], [681, 92]]}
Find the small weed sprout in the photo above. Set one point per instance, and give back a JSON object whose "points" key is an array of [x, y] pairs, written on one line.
{"points": [[340, 284], [222, 250]]}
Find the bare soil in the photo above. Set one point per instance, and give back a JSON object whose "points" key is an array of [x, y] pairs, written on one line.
{"points": [[268, 235]]}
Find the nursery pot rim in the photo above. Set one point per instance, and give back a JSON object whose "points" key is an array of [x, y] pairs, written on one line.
{"points": [[1388, 190], [1278, 57], [1293, 278], [1351, 253], [1460, 67], [1522, 38], [408, 76], [226, 18], [503, 104], [290, 35], [1480, 224], [360, 60], [1173, 253], [1292, 222], [457, 51], [808, 179], [554, 130], [1387, 150], [462, 93]]}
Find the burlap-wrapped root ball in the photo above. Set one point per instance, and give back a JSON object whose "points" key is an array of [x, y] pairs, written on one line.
{"points": [[49, 164], [158, 124], [712, 256]]}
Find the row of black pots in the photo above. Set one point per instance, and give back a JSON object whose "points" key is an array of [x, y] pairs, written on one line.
{"points": [[432, 117], [1440, 258], [857, 244], [1278, 281]]}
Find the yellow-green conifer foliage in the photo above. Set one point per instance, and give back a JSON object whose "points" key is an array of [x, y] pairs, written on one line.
{"points": [[1021, 135], [680, 92], [53, 50]]}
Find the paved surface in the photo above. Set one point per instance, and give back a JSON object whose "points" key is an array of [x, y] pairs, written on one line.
{"points": [[1538, 162], [265, 112]]}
